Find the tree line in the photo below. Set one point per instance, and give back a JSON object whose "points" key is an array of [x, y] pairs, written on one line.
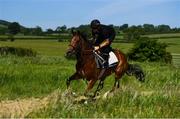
{"points": [[129, 32]]}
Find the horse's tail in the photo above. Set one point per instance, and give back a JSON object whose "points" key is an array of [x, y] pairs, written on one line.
{"points": [[136, 70]]}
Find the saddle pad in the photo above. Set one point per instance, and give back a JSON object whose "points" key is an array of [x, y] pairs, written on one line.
{"points": [[112, 58]]}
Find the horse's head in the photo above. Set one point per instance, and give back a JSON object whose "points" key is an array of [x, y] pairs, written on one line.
{"points": [[74, 43]]}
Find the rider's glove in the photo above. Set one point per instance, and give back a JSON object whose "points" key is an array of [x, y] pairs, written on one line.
{"points": [[96, 48]]}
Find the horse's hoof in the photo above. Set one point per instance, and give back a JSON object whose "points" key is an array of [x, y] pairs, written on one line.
{"points": [[86, 102], [96, 94], [106, 95], [81, 99], [74, 94]]}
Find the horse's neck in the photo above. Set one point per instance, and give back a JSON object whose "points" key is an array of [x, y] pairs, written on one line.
{"points": [[85, 51], [86, 46]]}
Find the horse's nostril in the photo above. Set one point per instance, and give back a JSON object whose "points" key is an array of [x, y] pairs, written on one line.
{"points": [[67, 53]]}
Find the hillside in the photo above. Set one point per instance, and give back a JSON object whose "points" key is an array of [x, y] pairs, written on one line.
{"points": [[5, 24]]}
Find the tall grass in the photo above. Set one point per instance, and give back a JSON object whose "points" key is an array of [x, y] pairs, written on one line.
{"points": [[32, 77], [24, 77], [37, 77], [123, 105]]}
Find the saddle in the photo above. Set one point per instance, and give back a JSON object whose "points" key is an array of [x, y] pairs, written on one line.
{"points": [[100, 61]]}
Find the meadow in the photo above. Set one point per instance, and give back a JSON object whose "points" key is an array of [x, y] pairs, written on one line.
{"points": [[27, 77]]}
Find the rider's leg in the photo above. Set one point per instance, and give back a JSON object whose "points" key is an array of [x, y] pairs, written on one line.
{"points": [[105, 56]]}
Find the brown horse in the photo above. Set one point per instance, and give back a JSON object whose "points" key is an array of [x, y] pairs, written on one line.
{"points": [[86, 66]]}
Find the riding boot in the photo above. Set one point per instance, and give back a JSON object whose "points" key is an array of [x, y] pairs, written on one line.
{"points": [[101, 73], [105, 65]]}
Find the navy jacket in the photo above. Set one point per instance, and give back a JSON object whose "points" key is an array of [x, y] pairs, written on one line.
{"points": [[105, 32]]}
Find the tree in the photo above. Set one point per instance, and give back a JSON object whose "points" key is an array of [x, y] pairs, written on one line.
{"points": [[13, 28], [86, 29], [163, 28], [3, 30], [49, 31], [37, 31], [146, 49], [123, 27], [26, 31], [61, 29], [132, 33], [149, 28]]}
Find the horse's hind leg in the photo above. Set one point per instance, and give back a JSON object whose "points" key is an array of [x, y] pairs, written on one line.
{"points": [[75, 76], [118, 76]]}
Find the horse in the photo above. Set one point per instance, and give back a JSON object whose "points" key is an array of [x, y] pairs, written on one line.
{"points": [[86, 67]]}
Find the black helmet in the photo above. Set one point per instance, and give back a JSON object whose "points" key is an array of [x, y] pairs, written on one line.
{"points": [[95, 23]]}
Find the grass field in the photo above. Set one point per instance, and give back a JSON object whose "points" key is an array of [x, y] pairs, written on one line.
{"points": [[173, 44], [26, 77], [167, 35]]}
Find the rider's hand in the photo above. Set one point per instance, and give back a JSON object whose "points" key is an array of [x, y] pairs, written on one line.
{"points": [[96, 48]]}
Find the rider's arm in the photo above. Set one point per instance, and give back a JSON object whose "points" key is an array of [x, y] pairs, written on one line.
{"points": [[110, 35], [104, 43]]}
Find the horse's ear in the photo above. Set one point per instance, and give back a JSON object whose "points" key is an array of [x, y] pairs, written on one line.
{"points": [[78, 32], [73, 31]]}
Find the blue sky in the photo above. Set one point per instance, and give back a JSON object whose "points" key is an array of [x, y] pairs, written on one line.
{"points": [[53, 13]]}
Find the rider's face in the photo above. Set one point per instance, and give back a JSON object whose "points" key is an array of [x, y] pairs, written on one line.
{"points": [[95, 30]]}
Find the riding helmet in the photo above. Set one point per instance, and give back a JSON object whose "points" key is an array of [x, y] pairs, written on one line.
{"points": [[95, 23]]}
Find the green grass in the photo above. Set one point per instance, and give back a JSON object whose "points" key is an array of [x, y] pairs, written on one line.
{"points": [[24, 77], [32, 77], [162, 80], [37, 77]]}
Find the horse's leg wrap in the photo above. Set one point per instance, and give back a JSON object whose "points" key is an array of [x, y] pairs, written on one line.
{"points": [[100, 86]]}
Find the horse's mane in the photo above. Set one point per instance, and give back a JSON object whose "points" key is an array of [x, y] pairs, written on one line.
{"points": [[85, 38]]}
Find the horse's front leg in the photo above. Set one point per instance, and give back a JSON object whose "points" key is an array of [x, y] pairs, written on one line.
{"points": [[99, 87], [90, 86], [75, 76]]}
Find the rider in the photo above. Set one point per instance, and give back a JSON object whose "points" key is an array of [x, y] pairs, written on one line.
{"points": [[103, 36]]}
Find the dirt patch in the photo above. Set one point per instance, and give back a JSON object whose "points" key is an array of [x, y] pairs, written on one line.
{"points": [[22, 107]]}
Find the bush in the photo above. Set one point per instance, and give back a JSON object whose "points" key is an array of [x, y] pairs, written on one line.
{"points": [[17, 51], [146, 49]]}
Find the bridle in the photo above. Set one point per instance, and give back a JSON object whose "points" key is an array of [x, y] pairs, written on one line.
{"points": [[75, 48]]}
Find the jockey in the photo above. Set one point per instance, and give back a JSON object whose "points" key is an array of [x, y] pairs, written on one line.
{"points": [[103, 36]]}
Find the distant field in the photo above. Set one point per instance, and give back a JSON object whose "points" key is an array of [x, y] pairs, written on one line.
{"points": [[48, 37], [53, 47], [173, 44], [168, 35]]}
